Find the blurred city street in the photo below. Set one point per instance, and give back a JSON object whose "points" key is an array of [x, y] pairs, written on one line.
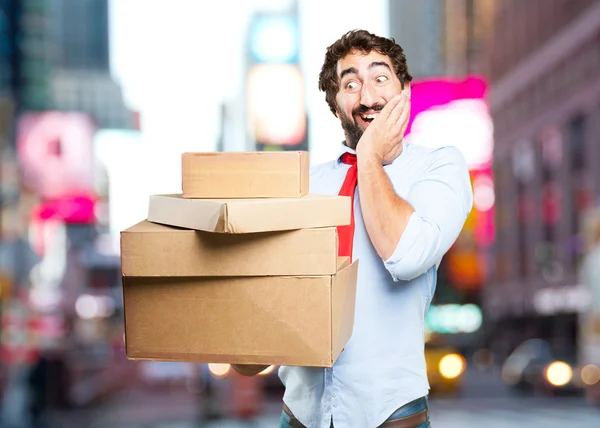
{"points": [[101, 99], [484, 402]]}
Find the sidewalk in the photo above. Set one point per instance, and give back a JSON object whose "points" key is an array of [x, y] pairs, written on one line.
{"points": [[155, 408]]}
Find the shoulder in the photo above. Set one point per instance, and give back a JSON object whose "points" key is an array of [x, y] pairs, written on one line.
{"points": [[432, 158], [318, 171]]}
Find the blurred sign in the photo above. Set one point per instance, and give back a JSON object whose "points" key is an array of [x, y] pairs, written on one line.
{"points": [[73, 209], [451, 319], [452, 113], [276, 112], [274, 39], [55, 153], [567, 299], [275, 97]]}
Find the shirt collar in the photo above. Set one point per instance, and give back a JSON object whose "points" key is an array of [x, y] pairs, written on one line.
{"points": [[343, 149]]}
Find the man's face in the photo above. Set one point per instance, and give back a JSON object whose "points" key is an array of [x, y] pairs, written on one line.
{"points": [[367, 83]]}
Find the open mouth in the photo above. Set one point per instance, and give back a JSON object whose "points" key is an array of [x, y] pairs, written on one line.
{"points": [[367, 118]]}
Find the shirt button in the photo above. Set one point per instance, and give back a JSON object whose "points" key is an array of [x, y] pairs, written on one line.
{"points": [[333, 395], [335, 405]]}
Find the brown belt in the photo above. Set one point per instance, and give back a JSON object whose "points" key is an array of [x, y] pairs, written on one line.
{"points": [[411, 421]]}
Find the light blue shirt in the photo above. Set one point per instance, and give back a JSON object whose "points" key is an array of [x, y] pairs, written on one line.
{"points": [[382, 366]]}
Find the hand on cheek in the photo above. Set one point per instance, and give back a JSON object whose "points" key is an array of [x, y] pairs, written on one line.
{"points": [[382, 140]]}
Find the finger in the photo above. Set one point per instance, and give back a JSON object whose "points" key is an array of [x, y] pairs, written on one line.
{"points": [[402, 123], [405, 115], [394, 116], [389, 107]]}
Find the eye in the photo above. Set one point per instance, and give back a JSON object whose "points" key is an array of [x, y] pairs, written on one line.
{"points": [[382, 78], [351, 85]]}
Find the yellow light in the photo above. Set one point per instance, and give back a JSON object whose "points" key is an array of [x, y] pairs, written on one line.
{"points": [[590, 374], [559, 373], [219, 370], [267, 371], [451, 366]]}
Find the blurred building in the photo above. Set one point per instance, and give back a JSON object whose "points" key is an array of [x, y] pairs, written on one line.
{"points": [[441, 37], [81, 79], [93, 92], [444, 43], [544, 64], [55, 91], [57, 57]]}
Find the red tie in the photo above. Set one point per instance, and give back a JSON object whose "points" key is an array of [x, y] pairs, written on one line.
{"points": [[346, 233]]}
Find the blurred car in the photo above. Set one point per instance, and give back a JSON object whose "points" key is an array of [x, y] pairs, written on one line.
{"points": [[534, 367], [445, 369]]}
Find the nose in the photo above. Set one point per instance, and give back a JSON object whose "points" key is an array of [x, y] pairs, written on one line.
{"points": [[369, 95]]}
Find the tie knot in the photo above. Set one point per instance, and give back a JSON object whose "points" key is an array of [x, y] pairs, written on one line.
{"points": [[348, 158]]}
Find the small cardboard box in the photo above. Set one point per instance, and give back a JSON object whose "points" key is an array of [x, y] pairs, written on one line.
{"points": [[250, 215], [245, 175], [150, 249], [278, 320]]}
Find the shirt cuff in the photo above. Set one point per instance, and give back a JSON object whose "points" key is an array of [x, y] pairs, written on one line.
{"points": [[411, 235]]}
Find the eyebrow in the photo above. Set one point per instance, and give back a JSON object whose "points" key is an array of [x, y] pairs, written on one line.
{"points": [[353, 70]]}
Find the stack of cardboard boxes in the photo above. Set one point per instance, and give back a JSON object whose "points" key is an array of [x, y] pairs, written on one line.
{"points": [[241, 268]]}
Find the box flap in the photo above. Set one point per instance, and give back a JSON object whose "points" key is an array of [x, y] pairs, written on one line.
{"points": [[250, 215], [342, 262]]}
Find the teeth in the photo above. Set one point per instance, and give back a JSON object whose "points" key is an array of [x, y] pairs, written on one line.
{"points": [[370, 116]]}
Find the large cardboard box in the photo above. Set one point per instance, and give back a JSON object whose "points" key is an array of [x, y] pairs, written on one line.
{"points": [[250, 215], [278, 320], [150, 249], [245, 175]]}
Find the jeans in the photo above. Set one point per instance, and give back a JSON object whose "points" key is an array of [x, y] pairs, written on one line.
{"points": [[406, 410]]}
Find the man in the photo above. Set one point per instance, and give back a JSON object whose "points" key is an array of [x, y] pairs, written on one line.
{"points": [[409, 205]]}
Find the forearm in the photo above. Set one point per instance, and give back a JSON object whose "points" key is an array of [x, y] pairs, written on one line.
{"points": [[385, 214]]}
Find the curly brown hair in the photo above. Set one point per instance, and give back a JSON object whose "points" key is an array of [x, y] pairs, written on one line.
{"points": [[363, 41]]}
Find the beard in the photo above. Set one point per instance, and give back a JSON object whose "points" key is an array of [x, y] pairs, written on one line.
{"points": [[351, 129]]}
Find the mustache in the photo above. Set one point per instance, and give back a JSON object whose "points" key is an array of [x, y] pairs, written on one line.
{"points": [[363, 109]]}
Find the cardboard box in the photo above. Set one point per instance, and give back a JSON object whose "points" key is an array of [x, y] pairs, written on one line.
{"points": [[150, 249], [279, 320], [250, 215], [245, 175]]}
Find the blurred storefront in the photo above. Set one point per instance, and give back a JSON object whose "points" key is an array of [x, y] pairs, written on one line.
{"points": [[59, 292], [545, 101], [443, 42]]}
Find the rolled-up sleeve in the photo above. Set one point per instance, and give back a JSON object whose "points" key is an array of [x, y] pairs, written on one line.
{"points": [[442, 199]]}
